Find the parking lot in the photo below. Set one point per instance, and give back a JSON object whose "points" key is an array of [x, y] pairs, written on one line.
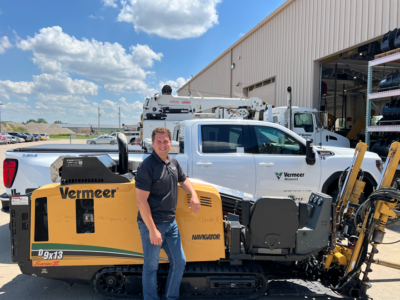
{"points": [[13, 285]]}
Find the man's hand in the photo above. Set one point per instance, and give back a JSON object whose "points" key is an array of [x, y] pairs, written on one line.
{"points": [[195, 203], [155, 238]]}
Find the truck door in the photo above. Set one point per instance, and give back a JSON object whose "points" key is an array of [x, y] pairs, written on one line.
{"points": [[303, 125], [281, 168], [222, 156]]}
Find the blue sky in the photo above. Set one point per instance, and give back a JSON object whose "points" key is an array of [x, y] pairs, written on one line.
{"points": [[60, 59]]}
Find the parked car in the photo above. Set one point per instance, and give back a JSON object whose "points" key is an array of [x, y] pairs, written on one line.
{"points": [[8, 138], [105, 139], [45, 135], [11, 139], [30, 135], [3, 140], [19, 135], [37, 137]]}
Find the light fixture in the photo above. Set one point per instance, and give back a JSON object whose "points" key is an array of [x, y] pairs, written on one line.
{"points": [[344, 90], [361, 54], [355, 77], [232, 66]]}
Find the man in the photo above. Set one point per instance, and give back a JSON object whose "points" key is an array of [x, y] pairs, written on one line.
{"points": [[156, 195]]}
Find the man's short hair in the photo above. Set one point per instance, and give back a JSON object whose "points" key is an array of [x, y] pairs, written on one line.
{"points": [[161, 130]]}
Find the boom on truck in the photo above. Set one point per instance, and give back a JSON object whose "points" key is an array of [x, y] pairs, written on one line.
{"points": [[165, 110]]}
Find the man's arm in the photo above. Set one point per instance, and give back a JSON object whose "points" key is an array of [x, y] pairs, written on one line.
{"points": [[194, 199], [145, 212]]}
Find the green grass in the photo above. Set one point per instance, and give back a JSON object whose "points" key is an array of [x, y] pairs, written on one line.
{"points": [[109, 131], [66, 136]]}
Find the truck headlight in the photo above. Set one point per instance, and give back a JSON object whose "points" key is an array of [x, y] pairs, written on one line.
{"points": [[379, 165]]}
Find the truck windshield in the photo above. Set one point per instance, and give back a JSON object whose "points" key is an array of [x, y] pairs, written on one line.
{"points": [[305, 121]]}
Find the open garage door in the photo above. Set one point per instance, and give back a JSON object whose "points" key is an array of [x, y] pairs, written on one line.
{"points": [[264, 90]]}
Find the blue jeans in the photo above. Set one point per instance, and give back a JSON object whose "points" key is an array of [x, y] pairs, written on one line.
{"points": [[171, 243]]}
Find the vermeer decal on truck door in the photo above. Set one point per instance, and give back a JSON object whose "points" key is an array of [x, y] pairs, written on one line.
{"points": [[289, 176]]}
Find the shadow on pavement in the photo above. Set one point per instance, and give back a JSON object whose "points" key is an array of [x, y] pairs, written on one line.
{"points": [[395, 228], [24, 287], [5, 246]]}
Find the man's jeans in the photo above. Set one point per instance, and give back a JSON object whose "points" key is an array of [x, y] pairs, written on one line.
{"points": [[171, 243]]}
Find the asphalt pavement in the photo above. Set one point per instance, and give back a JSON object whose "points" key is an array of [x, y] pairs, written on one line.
{"points": [[13, 285]]}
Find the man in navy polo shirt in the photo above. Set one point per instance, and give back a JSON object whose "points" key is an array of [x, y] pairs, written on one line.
{"points": [[156, 193]]}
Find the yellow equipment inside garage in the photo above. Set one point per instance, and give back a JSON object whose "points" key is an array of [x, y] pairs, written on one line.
{"points": [[84, 229]]}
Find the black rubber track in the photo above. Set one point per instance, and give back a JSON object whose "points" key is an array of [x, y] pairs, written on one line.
{"points": [[192, 269]]}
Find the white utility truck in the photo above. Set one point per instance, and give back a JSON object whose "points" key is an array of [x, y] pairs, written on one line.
{"points": [[306, 123], [165, 110], [132, 133], [256, 157]]}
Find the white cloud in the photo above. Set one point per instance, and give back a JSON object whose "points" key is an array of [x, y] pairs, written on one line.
{"points": [[57, 84], [106, 63], [96, 17], [110, 3], [175, 85], [174, 19], [241, 34], [4, 44]]}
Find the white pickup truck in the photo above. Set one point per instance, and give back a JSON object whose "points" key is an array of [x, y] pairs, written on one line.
{"points": [[255, 157]]}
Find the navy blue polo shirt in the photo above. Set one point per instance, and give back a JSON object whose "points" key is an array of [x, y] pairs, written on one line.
{"points": [[161, 180]]}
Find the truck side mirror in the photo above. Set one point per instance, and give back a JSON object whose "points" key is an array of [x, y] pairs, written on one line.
{"points": [[325, 119], [310, 155]]}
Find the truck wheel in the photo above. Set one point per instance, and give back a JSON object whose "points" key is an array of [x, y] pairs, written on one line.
{"points": [[334, 194], [132, 142], [93, 142], [112, 143]]}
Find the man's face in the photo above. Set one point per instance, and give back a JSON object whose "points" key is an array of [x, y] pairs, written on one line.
{"points": [[162, 144]]}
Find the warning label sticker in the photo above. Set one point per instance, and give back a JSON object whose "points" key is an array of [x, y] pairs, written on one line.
{"points": [[19, 200], [74, 163]]}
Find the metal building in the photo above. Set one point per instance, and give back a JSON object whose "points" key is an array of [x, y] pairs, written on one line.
{"points": [[301, 44]]}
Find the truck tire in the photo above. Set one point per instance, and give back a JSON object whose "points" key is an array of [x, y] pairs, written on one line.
{"points": [[331, 188], [93, 142], [132, 141], [112, 143]]}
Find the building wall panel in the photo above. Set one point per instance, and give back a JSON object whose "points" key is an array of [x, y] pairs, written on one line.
{"points": [[393, 13], [265, 93], [289, 44]]}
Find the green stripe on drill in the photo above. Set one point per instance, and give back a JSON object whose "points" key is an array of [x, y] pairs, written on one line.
{"points": [[49, 246]]}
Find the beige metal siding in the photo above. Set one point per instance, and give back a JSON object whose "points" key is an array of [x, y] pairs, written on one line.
{"points": [[288, 44], [265, 93], [214, 82]]}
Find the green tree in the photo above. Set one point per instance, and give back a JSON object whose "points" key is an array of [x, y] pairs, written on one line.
{"points": [[41, 120], [57, 122]]}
